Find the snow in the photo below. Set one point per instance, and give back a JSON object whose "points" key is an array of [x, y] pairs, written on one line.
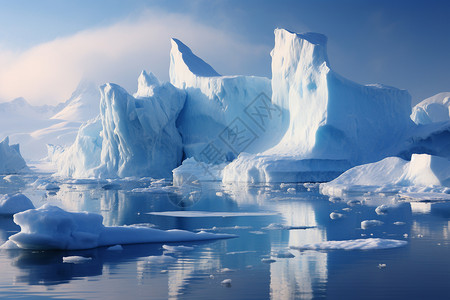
{"points": [[207, 214], [50, 227], [11, 161], [329, 122], [358, 244], [424, 173], [11, 204], [132, 137], [432, 110]]}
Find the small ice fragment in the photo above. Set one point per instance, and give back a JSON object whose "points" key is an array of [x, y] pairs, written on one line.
{"points": [[399, 223], [381, 266], [335, 216], [219, 194], [405, 235], [291, 190], [226, 270], [334, 199], [211, 276], [115, 248], [370, 223], [163, 271], [382, 209], [226, 282], [76, 259], [347, 209]]}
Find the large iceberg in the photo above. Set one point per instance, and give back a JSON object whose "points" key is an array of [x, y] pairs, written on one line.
{"points": [[10, 159], [218, 106], [329, 123], [133, 136]]}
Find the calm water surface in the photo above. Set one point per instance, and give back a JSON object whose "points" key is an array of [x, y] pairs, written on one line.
{"points": [[420, 270]]}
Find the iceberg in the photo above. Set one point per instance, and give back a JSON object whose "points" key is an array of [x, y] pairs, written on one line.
{"points": [[12, 204], [133, 136], [11, 161], [219, 106], [52, 228], [432, 110], [329, 123], [424, 173]]}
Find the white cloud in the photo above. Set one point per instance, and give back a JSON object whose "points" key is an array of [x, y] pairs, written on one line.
{"points": [[49, 72]]}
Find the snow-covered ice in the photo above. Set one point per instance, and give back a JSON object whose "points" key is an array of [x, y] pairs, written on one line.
{"points": [[358, 244], [50, 227]]}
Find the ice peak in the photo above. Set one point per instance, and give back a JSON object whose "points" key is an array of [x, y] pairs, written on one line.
{"points": [[180, 53], [146, 84], [312, 37]]}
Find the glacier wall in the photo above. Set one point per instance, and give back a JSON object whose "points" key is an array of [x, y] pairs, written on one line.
{"points": [[131, 137]]}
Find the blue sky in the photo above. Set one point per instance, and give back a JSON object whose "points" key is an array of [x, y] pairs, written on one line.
{"points": [[47, 47]]}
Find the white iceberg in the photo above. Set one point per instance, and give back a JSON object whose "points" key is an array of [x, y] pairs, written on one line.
{"points": [[218, 106], [423, 173], [11, 161], [132, 136], [329, 123], [50, 227]]}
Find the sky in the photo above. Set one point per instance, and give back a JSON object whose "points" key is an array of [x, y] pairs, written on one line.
{"points": [[48, 46]]}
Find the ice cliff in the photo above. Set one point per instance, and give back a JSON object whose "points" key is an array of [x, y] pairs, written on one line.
{"points": [[433, 109], [131, 137], [329, 122]]}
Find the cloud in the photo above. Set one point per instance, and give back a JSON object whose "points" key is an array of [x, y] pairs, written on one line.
{"points": [[47, 73]]}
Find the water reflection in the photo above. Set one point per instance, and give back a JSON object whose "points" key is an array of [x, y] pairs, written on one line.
{"points": [[198, 273]]}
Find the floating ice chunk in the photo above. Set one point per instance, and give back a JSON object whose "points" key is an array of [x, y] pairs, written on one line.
{"points": [[336, 215], [12, 204], [358, 244], [226, 270], [398, 223], [50, 227], [76, 259], [177, 248], [381, 266], [268, 260], [226, 282], [382, 209], [291, 190], [370, 223]]}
